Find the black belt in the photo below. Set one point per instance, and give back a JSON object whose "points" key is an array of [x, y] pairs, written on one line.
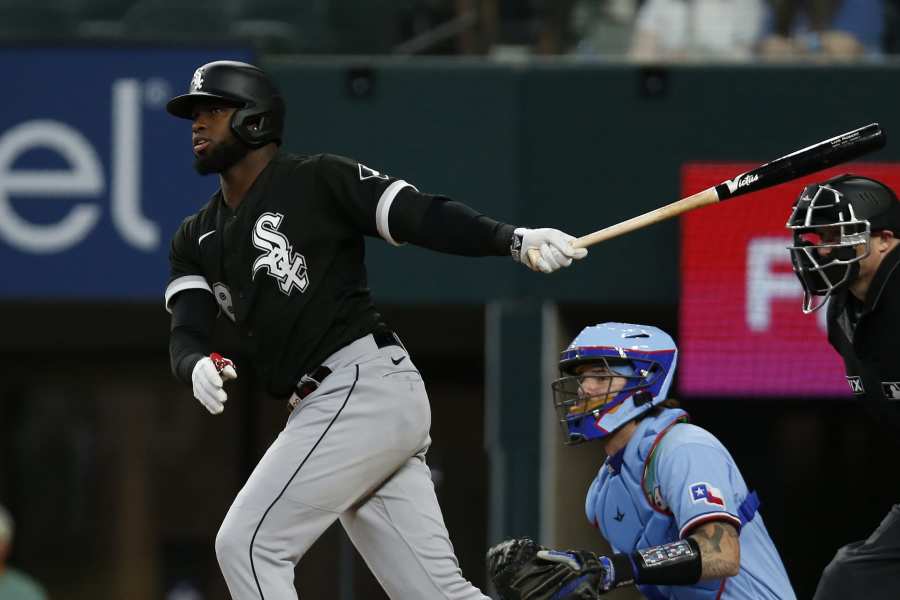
{"points": [[312, 380]]}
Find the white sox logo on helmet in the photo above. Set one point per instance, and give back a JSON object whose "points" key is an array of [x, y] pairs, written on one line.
{"points": [[197, 81], [282, 263]]}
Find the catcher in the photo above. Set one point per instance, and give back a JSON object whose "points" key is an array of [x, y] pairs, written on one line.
{"points": [[669, 498]]}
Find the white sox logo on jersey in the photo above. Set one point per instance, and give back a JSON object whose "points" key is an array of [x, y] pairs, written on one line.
{"points": [[282, 263]]}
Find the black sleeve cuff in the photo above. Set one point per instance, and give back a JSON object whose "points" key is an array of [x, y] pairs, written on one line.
{"points": [[444, 225], [193, 318], [183, 369]]}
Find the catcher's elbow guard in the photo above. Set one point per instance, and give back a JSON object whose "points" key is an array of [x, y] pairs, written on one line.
{"points": [[677, 563]]}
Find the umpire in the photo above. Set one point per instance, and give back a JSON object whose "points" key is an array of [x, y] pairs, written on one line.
{"points": [[278, 254], [845, 249]]}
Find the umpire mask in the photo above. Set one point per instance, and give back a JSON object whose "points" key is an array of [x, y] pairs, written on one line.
{"points": [[831, 233]]}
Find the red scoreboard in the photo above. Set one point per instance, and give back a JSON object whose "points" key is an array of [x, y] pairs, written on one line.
{"points": [[742, 332]]}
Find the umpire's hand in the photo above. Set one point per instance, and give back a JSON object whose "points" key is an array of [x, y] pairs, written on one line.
{"points": [[544, 250], [209, 376]]}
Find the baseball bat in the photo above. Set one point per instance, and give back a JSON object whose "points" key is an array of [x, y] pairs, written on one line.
{"points": [[833, 151]]}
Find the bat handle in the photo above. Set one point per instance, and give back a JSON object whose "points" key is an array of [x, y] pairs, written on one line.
{"points": [[707, 196]]}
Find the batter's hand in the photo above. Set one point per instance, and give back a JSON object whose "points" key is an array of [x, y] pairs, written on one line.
{"points": [[209, 376], [554, 246]]}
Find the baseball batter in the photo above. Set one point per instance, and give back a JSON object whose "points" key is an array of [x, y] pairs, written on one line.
{"points": [[669, 498], [845, 249], [278, 254]]}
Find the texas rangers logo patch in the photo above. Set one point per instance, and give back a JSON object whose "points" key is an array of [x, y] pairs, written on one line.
{"points": [[284, 265], [703, 492], [856, 385]]}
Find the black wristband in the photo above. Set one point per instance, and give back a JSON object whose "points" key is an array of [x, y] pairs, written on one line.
{"points": [[515, 246], [677, 563]]}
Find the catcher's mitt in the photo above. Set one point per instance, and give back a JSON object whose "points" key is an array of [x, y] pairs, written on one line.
{"points": [[519, 572]]}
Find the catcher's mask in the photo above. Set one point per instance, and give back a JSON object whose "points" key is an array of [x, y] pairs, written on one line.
{"points": [[611, 373], [829, 221]]}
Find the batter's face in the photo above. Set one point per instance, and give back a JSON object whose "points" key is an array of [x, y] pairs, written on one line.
{"points": [[216, 149]]}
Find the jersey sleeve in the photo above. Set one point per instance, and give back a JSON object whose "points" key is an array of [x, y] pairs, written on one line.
{"points": [[397, 212], [365, 194], [185, 267], [700, 483]]}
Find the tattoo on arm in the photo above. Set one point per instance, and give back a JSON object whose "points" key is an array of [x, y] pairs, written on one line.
{"points": [[719, 550], [713, 538]]}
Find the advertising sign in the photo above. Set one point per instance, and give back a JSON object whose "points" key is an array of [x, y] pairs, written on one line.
{"points": [[95, 176]]}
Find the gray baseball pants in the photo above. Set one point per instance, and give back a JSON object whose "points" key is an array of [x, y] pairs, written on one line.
{"points": [[352, 450]]}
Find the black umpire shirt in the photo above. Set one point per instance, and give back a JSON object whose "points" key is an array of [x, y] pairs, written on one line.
{"points": [[287, 267], [867, 336]]}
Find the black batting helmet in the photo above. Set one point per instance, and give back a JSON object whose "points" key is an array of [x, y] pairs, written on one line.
{"points": [[244, 86]]}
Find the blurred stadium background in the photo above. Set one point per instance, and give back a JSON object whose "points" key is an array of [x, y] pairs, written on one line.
{"points": [[573, 113]]}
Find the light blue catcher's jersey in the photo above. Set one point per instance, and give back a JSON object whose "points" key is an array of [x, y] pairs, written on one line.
{"points": [[671, 477]]}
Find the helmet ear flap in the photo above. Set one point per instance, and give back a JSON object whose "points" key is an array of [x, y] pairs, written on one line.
{"points": [[256, 126]]}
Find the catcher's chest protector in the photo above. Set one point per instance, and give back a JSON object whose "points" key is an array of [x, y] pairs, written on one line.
{"points": [[629, 516]]}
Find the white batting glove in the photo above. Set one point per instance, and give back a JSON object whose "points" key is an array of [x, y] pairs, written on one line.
{"points": [[553, 246], [209, 376]]}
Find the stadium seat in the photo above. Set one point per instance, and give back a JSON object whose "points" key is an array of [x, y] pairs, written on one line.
{"points": [[34, 20], [178, 20], [281, 26], [365, 27], [99, 18]]}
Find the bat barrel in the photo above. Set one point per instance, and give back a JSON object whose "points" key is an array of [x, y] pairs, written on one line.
{"points": [[834, 151]]}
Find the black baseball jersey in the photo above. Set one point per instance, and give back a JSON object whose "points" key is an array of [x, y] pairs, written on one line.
{"points": [[867, 336], [287, 266]]}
